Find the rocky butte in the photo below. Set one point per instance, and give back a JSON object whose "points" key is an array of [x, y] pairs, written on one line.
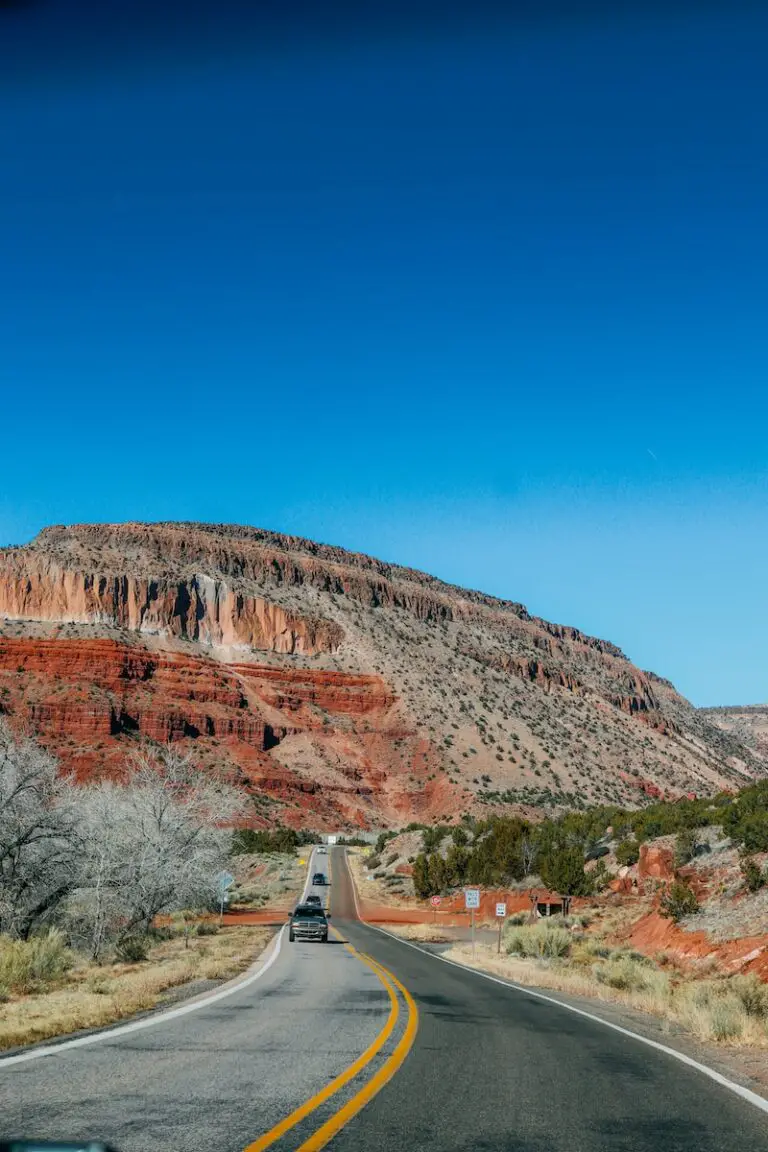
{"points": [[337, 689]]}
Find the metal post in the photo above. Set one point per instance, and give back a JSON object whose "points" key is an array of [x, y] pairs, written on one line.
{"points": [[473, 934], [501, 921]]}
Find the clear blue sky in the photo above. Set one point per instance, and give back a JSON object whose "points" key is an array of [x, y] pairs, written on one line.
{"points": [[486, 295]]}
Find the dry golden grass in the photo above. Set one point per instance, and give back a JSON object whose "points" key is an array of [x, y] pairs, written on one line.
{"points": [[427, 933], [731, 1010], [91, 995]]}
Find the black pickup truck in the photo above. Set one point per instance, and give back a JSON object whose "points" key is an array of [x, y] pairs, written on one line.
{"points": [[309, 922]]}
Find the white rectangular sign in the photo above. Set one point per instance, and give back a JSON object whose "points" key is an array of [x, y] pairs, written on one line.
{"points": [[472, 897], [332, 839], [501, 910]]}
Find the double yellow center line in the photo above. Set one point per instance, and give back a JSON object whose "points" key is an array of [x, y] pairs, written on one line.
{"points": [[344, 1114]]}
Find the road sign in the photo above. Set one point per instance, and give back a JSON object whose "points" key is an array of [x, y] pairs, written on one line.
{"points": [[332, 839], [434, 901], [224, 880], [302, 861], [471, 902], [501, 911]]}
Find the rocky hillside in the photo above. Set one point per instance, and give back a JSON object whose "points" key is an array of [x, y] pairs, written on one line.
{"points": [[339, 689]]}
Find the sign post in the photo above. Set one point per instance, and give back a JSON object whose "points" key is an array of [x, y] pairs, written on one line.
{"points": [[471, 902], [224, 881], [501, 912], [435, 902]]}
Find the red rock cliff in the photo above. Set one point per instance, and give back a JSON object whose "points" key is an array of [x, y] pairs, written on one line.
{"points": [[197, 607]]}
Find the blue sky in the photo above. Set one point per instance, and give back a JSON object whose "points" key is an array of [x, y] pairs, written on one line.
{"points": [[482, 295]]}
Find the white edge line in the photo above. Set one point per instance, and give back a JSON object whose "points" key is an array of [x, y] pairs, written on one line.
{"points": [[109, 1033], [745, 1093]]}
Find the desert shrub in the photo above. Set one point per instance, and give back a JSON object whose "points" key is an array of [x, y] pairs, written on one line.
{"points": [[433, 837], [754, 878], [710, 1009], [517, 918], [627, 852], [751, 993], [623, 973], [562, 870], [725, 1021], [686, 846], [383, 839], [390, 860], [207, 928], [745, 820], [26, 964], [279, 839], [132, 949], [598, 950], [678, 901], [540, 941], [161, 932], [373, 862]]}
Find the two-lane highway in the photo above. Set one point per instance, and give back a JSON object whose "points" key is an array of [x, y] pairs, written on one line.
{"points": [[323, 1047], [223, 1075]]}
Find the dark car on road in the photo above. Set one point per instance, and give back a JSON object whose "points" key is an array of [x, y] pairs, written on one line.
{"points": [[308, 922], [319, 879], [314, 899]]}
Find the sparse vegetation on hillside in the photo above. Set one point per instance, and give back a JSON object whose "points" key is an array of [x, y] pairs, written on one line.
{"points": [[678, 901], [502, 850], [462, 702], [277, 840]]}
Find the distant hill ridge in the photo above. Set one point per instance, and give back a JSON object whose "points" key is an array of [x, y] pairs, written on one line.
{"points": [[334, 686]]}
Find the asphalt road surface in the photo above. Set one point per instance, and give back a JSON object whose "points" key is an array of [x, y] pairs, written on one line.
{"points": [[489, 1068]]}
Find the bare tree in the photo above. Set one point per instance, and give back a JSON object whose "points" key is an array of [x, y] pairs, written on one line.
{"points": [[528, 854], [150, 846], [107, 859], [38, 842]]}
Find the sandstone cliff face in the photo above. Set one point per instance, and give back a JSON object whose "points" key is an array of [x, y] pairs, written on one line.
{"points": [[92, 702], [334, 686], [198, 607]]}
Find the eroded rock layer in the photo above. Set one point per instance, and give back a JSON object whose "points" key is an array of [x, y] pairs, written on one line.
{"points": [[335, 687]]}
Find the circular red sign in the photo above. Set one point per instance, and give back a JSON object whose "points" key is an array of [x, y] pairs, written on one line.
{"points": [[434, 901]]}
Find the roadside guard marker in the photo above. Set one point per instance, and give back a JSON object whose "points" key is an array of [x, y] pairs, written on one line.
{"points": [[501, 911], [472, 901], [435, 902]]}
